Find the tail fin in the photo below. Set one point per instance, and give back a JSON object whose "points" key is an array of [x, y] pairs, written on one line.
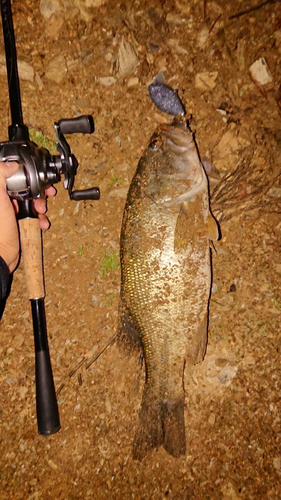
{"points": [[174, 428], [160, 424], [150, 432]]}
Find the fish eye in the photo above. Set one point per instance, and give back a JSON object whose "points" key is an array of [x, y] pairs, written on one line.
{"points": [[155, 144]]}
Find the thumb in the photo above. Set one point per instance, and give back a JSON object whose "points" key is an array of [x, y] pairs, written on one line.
{"points": [[7, 169]]}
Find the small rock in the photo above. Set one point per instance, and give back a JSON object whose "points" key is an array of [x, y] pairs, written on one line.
{"points": [[230, 492], [17, 341], [225, 153], [49, 7], [278, 268], [133, 81], [39, 81], [108, 406], [94, 3], [277, 36], [206, 81], [277, 464], [227, 375], [274, 192], [52, 464], [175, 19], [221, 362], [26, 71], [108, 56], [23, 391], [211, 419], [57, 69], [76, 209], [260, 72], [203, 36], [174, 44], [274, 310], [107, 81], [54, 25], [95, 299], [127, 59]]}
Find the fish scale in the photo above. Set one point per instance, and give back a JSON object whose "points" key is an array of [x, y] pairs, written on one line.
{"points": [[166, 279]]}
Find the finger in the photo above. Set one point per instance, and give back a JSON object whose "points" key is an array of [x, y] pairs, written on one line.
{"points": [[7, 169], [51, 191], [44, 222], [15, 205], [40, 205]]}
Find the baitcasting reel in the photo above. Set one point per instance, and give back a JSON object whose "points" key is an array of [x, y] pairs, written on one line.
{"points": [[38, 169]]}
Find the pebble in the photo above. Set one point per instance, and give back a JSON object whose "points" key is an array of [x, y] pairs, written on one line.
{"points": [[203, 36], [206, 80], [76, 209], [26, 71], [133, 81], [227, 375], [49, 7], [54, 25], [56, 69], [107, 81], [127, 59], [274, 192], [260, 72]]}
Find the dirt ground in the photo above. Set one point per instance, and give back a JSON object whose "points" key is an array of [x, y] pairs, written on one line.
{"points": [[233, 418]]}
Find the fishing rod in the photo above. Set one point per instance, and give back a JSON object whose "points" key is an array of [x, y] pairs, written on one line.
{"points": [[38, 170]]}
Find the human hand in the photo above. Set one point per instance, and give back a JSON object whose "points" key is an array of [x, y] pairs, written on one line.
{"points": [[9, 235]]}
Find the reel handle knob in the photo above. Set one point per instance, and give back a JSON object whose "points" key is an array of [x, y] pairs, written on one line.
{"points": [[85, 194], [82, 125]]}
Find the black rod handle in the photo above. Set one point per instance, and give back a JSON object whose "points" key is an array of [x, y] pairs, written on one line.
{"points": [[11, 63], [46, 401], [31, 247]]}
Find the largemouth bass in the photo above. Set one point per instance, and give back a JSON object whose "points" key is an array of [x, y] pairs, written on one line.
{"points": [[166, 278]]}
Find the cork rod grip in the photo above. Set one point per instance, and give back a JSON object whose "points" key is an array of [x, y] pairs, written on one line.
{"points": [[31, 246]]}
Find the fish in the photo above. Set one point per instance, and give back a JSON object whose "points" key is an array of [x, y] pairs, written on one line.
{"points": [[165, 98], [166, 279]]}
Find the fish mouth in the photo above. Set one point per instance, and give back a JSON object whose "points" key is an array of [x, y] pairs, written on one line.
{"points": [[178, 138]]}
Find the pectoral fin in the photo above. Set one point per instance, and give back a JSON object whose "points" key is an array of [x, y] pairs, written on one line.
{"points": [[185, 229]]}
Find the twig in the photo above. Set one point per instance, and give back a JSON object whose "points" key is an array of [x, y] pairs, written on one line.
{"points": [[81, 363], [219, 303], [251, 9], [204, 9], [101, 352], [214, 23], [77, 367], [60, 389]]}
